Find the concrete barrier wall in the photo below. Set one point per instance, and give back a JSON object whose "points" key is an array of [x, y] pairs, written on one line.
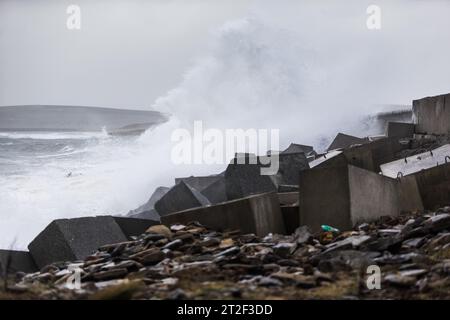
{"points": [[432, 114], [259, 214]]}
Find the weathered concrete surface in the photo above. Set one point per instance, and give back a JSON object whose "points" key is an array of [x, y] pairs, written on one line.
{"points": [[180, 197], [432, 114], [242, 180], [147, 211], [16, 261], [296, 148], [400, 130], [132, 227], [290, 165], [216, 192], [413, 164], [410, 199], [199, 183], [287, 188], [288, 198], [259, 214], [434, 186], [291, 218], [343, 140], [151, 214], [343, 196], [74, 239], [368, 156]]}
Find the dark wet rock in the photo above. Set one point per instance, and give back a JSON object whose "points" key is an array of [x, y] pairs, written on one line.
{"points": [[303, 235], [110, 274], [438, 223], [399, 280]]}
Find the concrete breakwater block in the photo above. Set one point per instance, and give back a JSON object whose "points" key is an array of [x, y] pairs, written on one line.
{"points": [[258, 214], [242, 180], [297, 148], [74, 239], [216, 192], [369, 156], [288, 198], [147, 211], [199, 183], [416, 163], [400, 130], [291, 218], [432, 114], [132, 227], [180, 197], [246, 178], [344, 196], [290, 165], [342, 141], [12, 261], [434, 186]]}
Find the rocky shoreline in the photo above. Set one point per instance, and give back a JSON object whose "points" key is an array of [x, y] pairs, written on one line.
{"points": [[357, 222], [192, 262]]}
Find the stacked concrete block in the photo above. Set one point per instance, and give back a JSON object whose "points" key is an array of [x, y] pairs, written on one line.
{"points": [[400, 130], [344, 196], [432, 114], [74, 239], [180, 197], [147, 210], [242, 180], [258, 214], [216, 192], [199, 183], [132, 227], [369, 156], [12, 261], [342, 141]]}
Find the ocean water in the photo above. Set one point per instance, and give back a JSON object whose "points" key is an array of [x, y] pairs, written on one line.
{"points": [[50, 175]]}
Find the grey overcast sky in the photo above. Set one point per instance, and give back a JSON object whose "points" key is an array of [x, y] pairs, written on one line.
{"points": [[130, 52], [126, 54]]}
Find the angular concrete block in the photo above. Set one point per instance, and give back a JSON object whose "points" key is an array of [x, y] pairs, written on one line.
{"points": [[282, 188], [216, 192], [148, 207], [242, 180], [290, 165], [288, 198], [151, 214], [434, 186], [74, 239], [416, 163], [199, 183], [400, 130], [180, 197], [368, 156], [16, 261], [344, 196], [258, 214], [342, 141], [432, 114], [297, 148], [132, 227]]}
